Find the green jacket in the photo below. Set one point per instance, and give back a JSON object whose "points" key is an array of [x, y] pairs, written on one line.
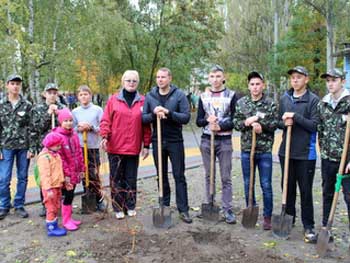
{"points": [[42, 123], [331, 128], [267, 112], [16, 130]]}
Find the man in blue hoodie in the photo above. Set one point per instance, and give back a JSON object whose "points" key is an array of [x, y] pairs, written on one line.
{"points": [[170, 104]]}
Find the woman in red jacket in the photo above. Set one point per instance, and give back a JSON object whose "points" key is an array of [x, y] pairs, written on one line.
{"points": [[124, 136]]}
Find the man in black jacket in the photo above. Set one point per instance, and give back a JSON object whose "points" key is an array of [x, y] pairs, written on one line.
{"points": [[170, 104], [298, 108]]}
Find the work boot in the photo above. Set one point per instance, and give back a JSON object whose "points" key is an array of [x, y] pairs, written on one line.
{"points": [[185, 217], [3, 213], [21, 212], [310, 236], [42, 211], [53, 230], [267, 223], [230, 217]]}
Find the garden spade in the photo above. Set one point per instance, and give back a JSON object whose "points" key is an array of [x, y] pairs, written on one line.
{"points": [[250, 214], [88, 199], [324, 235], [282, 224], [162, 214], [211, 211]]}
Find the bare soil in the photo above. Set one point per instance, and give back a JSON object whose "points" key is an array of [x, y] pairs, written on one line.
{"points": [[102, 238]]}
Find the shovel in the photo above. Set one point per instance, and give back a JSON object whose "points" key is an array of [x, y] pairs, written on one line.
{"points": [[88, 199], [161, 215], [250, 214], [324, 235], [282, 224], [211, 211]]}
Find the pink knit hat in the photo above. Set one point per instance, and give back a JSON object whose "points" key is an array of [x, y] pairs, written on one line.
{"points": [[64, 114], [52, 139]]}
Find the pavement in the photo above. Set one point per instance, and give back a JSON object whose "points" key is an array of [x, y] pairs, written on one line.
{"points": [[146, 168]]}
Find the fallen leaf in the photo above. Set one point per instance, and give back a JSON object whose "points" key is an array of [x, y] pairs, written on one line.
{"points": [[195, 208], [71, 253]]}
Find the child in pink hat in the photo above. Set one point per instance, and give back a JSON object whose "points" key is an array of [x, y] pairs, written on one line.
{"points": [[73, 165], [51, 181]]}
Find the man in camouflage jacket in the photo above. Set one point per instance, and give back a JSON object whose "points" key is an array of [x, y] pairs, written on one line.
{"points": [[333, 109], [259, 113], [16, 135], [42, 121]]}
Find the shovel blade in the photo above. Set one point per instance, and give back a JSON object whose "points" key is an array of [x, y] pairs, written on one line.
{"points": [[282, 225], [88, 202], [162, 217], [250, 216], [322, 242], [210, 212]]}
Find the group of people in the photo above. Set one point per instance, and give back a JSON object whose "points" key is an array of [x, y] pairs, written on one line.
{"points": [[128, 125]]}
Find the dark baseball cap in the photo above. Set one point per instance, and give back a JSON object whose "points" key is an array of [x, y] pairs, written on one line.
{"points": [[14, 77], [216, 68], [51, 86], [300, 70], [255, 74], [334, 73]]}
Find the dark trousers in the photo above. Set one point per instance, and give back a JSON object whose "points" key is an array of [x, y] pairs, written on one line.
{"points": [[329, 170], [68, 196], [175, 151], [123, 181], [94, 173], [301, 172]]}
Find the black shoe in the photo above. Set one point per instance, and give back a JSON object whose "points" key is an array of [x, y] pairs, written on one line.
{"points": [[184, 216], [310, 236], [43, 212], [3, 213], [101, 207], [21, 212]]}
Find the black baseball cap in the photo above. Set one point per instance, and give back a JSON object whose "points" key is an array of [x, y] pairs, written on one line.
{"points": [[14, 77], [51, 86], [334, 73], [255, 74], [216, 68], [300, 70]]}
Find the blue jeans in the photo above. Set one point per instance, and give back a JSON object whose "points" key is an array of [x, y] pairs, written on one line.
{"points": [[264, 163], [6, 164]]}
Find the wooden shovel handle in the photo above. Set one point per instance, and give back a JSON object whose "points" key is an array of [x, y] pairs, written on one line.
{"points": [[86, 162], [212, 163], [286, 165], [52, 121], [160, 159], [340, 170], [251, 178]]}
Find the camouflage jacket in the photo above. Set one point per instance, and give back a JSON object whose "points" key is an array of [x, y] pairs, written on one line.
{"points": [[42, 123], [331, 128], [267, 112], [16, 130]]}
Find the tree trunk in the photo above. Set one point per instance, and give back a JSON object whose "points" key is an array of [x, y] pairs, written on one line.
{"points": [[330, 34]]}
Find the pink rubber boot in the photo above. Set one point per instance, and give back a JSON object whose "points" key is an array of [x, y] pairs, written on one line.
{"points": [[67, 218]]}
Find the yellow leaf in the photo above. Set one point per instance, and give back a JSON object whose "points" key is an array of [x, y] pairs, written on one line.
{"points": [[196, 208], [270, 244], [71, 253]]}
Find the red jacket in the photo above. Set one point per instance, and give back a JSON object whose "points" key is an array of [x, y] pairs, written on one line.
{"points": [[71, 155], [122, 126]]}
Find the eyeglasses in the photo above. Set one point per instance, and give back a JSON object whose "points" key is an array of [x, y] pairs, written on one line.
{"points": [[131, 81]]}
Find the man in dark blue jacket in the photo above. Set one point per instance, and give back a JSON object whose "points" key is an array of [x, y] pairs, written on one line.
{"points": [[298, 108], [170, 104]]}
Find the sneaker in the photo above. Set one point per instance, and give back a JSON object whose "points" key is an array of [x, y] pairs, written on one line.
{"points": [[101, 207], [185, 217], [267, 223], [119, 215], [42, 212], [310, 236], [230, 217], [21, 212], [3, 213], [131, 213]]}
